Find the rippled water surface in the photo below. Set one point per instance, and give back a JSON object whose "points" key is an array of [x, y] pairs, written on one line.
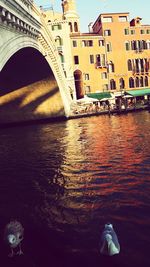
{"points": [[65, 180]]}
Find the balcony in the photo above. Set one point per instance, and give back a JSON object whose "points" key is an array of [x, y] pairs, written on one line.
{"points": [[100, 65], [138, 50]]}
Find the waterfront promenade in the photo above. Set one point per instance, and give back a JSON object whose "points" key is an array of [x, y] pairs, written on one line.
{"points": [[82, 110]]}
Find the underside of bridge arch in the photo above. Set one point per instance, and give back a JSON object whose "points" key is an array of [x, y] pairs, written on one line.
{"points": [[28, 88]]}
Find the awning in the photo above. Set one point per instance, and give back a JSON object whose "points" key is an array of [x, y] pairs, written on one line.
{"points": [[140, 92], [100, 96], [86, 100]]}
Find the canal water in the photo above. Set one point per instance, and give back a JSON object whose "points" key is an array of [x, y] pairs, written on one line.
{"points": [[65, 180]]}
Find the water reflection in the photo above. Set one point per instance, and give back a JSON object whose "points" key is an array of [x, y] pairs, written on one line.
{"points": [[72, 177]]}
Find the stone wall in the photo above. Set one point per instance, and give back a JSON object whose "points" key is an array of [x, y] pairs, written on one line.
{"points": [[39, 100]]}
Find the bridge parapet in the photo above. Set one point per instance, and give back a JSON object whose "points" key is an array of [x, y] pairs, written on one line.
{"points": [[21, 15]]}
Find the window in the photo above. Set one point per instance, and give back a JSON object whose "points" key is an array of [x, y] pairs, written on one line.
{"points": [[75, 27], [101, 42], [59, 41], [98, 60], [127, 45], [87, 43], [76, 60], [104, 75], [91, 59], [133, 45], [107, 32], [112, 84], [132, 32], [105, 87], [126, 31], [129, 65], [83, 43], [87, 89], [103, 60], [142, 31], [62, 58], [122, 18], [143, 44], [146, 80], [137, 82], [131, 82], [137, 67], [141, 61], [121, 83], [70, 25], [146, 64], [147, 44], [108, 47], [141, 81], [107, 19], [65, 73], [111, 67], [74, 42], [86, 76], [56, 27], [148, 31]]}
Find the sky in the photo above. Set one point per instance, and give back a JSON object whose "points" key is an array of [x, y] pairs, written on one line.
{"points": [[89, 10]]}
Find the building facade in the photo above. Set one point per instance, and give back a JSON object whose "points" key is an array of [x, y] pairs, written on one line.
{"points": [[113, 56]]}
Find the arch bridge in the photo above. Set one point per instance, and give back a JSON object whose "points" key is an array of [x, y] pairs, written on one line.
{"points": [[32, 81]]}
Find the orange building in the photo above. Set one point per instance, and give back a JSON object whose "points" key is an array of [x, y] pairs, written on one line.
{"points": [[114, 56], [127, 50]]}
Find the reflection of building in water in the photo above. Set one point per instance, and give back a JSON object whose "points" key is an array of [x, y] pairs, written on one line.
{"points": [[87, 179], [95, 61]]}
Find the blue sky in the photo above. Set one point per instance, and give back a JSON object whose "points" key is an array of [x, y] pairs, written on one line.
{"points": [[89, 10]]}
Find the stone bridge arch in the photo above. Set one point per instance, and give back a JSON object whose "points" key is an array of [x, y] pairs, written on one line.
{"points": [[45, 99]]}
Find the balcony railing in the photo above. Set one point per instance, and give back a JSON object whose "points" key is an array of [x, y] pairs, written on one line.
{"points": [[101, 64], [138, 50]]}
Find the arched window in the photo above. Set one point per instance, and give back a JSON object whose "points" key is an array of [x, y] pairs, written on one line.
{"points": [[137, 65], [71, 29], [121, 83], [144, 46], [75, 27], [141, 81], [142, 64], [148, 44], [58, 41], [139, 45], [146, 80], [133, 45], [147, 64], [131, 82], [112, 84], [137, 83], [129, 64]]}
